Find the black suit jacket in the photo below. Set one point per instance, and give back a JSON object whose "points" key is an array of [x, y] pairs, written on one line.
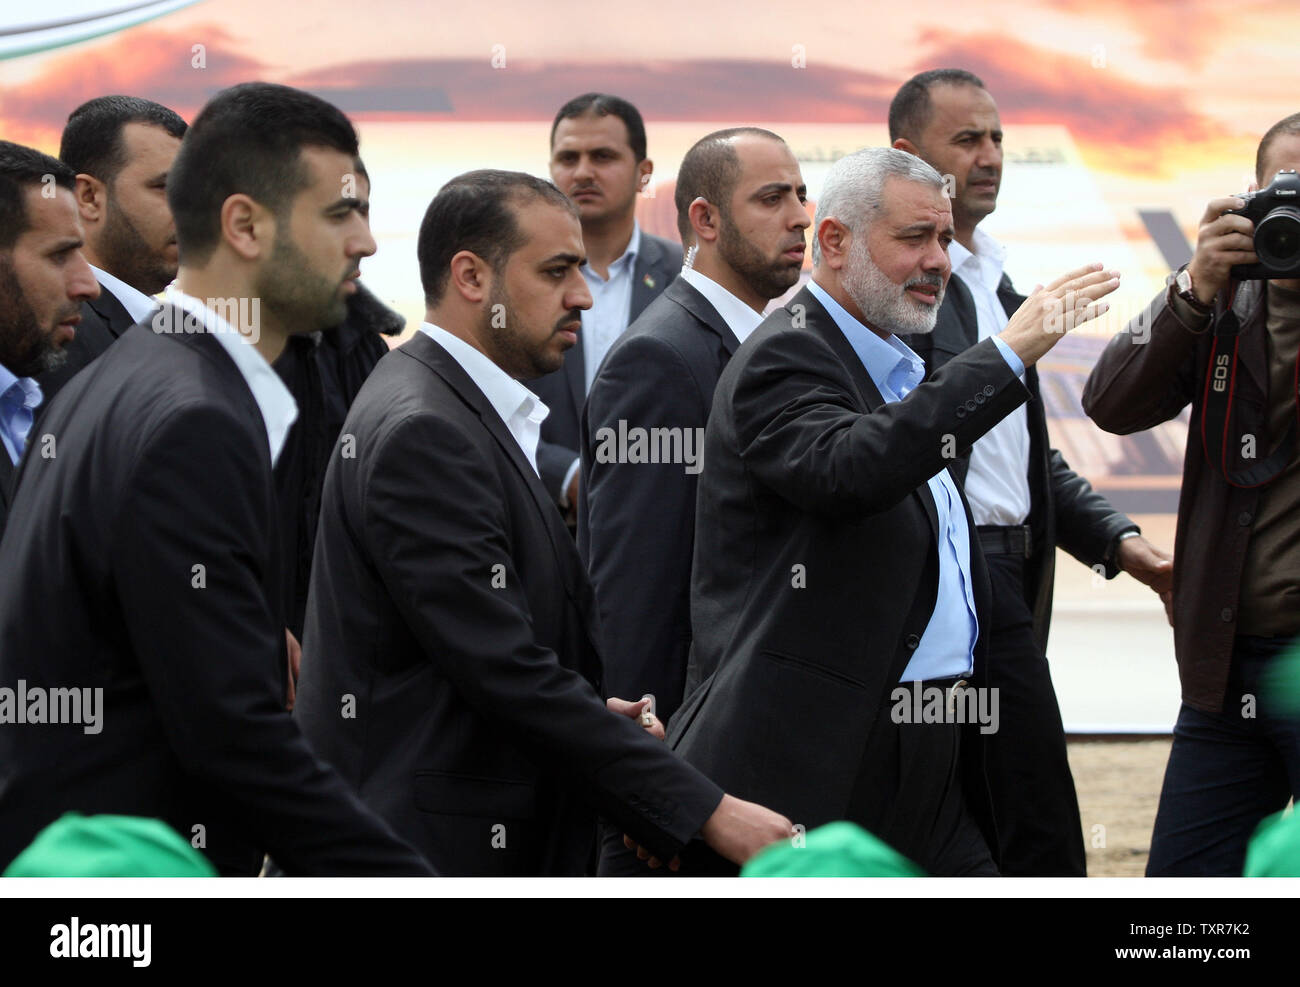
{"points": [[449, 604], [816, 564], [1063, 507], [658, 262], [636, 521], [102, 321], [6, 482], [139, 559]]}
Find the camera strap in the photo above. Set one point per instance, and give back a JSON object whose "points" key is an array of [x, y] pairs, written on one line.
{"points": [[1216, 420]]}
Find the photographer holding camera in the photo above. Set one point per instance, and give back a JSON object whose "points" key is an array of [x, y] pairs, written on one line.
{"points": [[1225, 337]]}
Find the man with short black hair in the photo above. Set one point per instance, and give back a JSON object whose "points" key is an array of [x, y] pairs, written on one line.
{"points": [[1235, 607], [44, 279], [448, 604], [145, 535], [1023, 495], [121, 148], [740, 199], [598, 159]]}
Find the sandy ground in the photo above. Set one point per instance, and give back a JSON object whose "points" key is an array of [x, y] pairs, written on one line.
{"points": [[1118, 782]]}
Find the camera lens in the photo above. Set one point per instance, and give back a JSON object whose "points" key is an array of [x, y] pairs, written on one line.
{"points": [[1277, 238]]}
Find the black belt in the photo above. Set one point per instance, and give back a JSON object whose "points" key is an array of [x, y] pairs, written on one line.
{"points": [[998, 539]]}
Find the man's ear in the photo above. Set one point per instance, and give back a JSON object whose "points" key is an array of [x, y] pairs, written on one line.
{"points": [[470, 277], [645, 173], [903, 144], [247, 226], [704, 220], [92, 198], [834, 239]]}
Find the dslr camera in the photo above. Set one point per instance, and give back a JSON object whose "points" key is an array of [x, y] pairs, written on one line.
{"points": [[1275, 211]]}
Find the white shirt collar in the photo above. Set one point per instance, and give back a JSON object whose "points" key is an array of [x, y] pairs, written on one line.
{"points": [[520, 409], [278, 408], [989, 258], [739, 317], [137, 304]]}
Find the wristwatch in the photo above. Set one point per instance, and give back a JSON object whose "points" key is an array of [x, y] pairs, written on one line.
{"points": [[1183, 286]]}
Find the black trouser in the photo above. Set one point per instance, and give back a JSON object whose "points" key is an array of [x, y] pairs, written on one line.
{"points": [[1034, 802]]}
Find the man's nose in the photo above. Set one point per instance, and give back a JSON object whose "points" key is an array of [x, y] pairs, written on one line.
{"points": [[936, 259], [579, 295], [82, 285], [363, 244], [990, 154]]}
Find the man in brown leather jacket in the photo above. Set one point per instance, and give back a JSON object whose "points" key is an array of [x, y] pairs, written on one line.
{"points": [[1234, 604]]}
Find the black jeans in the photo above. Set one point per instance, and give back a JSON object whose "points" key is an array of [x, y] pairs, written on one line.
{"points": [[1226, 772]]}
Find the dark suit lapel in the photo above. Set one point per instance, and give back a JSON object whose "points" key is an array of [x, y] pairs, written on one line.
{"points": [[575, 375], [956, 329], [820, 322], [6, 479], [112, 311], [651, 274], [688, 297], [424, 349]]}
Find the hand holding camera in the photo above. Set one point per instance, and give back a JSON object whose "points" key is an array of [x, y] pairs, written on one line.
{"points": [[1248, 237]]}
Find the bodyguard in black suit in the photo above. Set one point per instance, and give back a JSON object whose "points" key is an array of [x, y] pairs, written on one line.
{"points": [[828, 570], [145, 534], [44, 279], [598, 159], [450, 663], [636, 525], [121, 148], [1025, 498]]}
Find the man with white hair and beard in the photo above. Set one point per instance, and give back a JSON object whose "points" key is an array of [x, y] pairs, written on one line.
{"points": [[834, 563]]}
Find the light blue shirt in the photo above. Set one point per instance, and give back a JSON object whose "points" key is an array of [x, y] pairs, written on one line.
{"points": [[611, 303], [947, 647], [19, 398]]}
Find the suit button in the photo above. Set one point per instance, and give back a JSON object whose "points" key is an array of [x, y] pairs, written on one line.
{"points": [[971, 405], [980, 399], [912, 642], [1244, 518], [989, 390], [961, 412], [1226, 614]]}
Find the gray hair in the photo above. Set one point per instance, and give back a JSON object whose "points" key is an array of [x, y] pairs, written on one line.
{"points": [[855, 184]]}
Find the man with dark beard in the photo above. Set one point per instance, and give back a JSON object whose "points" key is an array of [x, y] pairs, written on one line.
{"points": [[43, 281], [740, 201], [144, 529], [451, 663], [121, 148], [834, 554]]}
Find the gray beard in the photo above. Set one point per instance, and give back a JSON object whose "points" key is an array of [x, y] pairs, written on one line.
{"points": [[883, 303]]}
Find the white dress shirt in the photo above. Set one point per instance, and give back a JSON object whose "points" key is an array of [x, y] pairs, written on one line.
{"points": [[137, 303], [739, 317], [520, 409], [278, 408], [997, 482], [611, 304]]}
